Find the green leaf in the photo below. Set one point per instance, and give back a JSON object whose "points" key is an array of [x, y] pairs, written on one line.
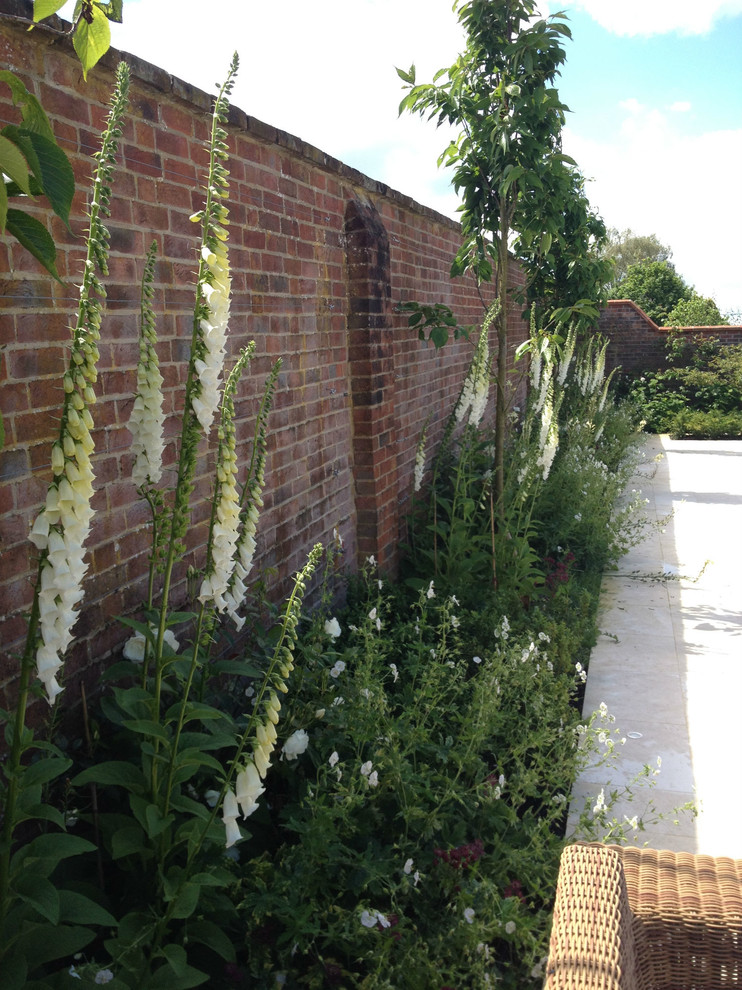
{"points": [[13, 163], [81, 910], [40, 894], [211, 935], [166, 979], [35, 238], [53, 846], [15, 972], [196, 757], [141, 627], [41, 812], [117, 773], [177, 957], [50, 166], [128, 841], [92, 41], [439, 336], [156, 824], [45, 8], [42, 943], [44, 770], [32, 113], [186, 901], [147, 727]]}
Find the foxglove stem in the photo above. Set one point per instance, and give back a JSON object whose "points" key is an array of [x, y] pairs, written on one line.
{"points": [[147, 421], [212, 282], [61, 527], [225, 513], [252, 502]]}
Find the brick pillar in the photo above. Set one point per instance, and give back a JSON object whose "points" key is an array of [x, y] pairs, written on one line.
{"points": [[371, 368]]}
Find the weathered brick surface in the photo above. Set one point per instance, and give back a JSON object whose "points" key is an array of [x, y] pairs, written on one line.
{"points": [[320, 255], [637, 344]]}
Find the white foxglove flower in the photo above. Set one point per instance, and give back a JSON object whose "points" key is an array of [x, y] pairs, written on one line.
{"points": [[420, 462], [230, 812], [332, 627], [296, 744], [248, 789]]}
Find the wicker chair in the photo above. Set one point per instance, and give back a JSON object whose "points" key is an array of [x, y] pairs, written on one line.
{"points": [[639, 919]]}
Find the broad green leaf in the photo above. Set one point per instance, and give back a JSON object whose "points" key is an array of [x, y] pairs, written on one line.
{"points": [[81, 910], [44, 770], [147, 727], [141, 627], [212, 935], [237, 668], [166, 979], [41, 812], [156, 824], [128, 841], [439, 336], [186, 901], [40, 894], [92, 41], [45, 8], [54, 846], [14, 164], [35, 238], [42, 943], [32, 113], [50, 166], [118, 773], [177, 957], [15, 971]]}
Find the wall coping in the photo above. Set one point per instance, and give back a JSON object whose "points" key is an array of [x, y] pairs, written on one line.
{"points": [[724, 327], [159, 79]]}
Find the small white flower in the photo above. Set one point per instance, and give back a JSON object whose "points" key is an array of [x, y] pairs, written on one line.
{"points": [[366, 693], [320, 713], [368, 919], [476, 659], [211, 797], [578, 516], [510, 927], [73, 973], [454, 622], [373, 779], [378, 625], [338, 701], [296, 744], [333, 758], [395, 672], [337, 670], [332, 627], [371, 561], [366, 768], [415, 878], [599, 804], [372, 614], [430, 593], [469, 915], [407, 868], [103, 976]]}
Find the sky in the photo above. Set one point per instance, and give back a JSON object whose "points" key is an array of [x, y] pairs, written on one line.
{"points": [[654, 89]]}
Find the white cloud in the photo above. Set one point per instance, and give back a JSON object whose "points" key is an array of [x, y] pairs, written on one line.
{"points": [[681, 106], [682, 187], [648, 17]]}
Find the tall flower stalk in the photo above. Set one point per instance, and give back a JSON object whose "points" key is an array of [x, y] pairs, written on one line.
{"points": [[208, 343], [61, 528]]}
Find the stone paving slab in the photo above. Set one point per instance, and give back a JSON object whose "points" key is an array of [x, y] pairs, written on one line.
{"points": [[668, 663]]}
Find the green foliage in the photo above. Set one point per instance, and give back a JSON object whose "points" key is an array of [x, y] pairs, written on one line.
{"points": [[705, 381], [33, 165], [695, 311], [433, 322], [654, 286], [91, 33], [624, 248]]}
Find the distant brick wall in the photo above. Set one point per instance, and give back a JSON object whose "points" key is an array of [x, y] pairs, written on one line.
{"points": [[637, 344], [320, 254]]}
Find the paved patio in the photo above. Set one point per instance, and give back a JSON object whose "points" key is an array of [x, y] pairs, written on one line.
{"points": [[668, 663]]}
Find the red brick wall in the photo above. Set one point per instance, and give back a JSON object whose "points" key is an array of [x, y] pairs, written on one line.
{"points": [[320, 254], [637, 344]]}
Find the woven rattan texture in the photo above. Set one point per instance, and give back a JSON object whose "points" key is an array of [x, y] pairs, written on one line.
{"points": [[642, 919]]}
